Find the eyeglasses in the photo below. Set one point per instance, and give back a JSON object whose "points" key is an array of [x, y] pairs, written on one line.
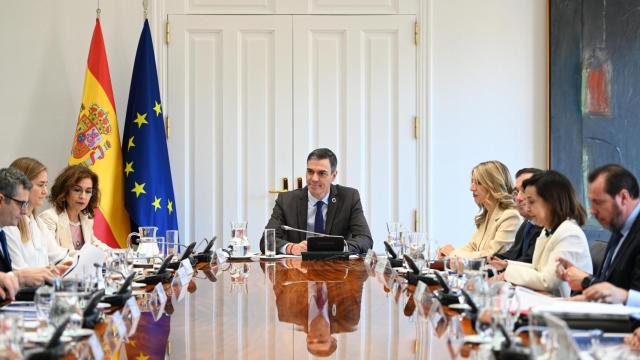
{"points": [[23, 203]]}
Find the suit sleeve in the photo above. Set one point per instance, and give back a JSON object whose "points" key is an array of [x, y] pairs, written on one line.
{"points": [[544, 278], [275, 222], [635, 274], [359, 240]]}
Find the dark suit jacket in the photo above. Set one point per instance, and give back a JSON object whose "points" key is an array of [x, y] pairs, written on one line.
{"points": [[625, 270], [514, 252], [344, 217]]}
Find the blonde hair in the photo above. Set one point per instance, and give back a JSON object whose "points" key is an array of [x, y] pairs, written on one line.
{"points": [[495, 177], [31, 168]]}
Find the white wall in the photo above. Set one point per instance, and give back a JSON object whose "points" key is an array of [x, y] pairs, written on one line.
{"points": [[487, 85], [487, 101], [44, 47]]}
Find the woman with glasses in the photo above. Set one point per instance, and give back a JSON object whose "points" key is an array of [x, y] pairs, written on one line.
{"points": [[498, 220], [30, 244], [74, 196], [554, 206]]}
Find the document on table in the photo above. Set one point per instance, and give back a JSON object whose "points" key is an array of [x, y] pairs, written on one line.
{"points": [[83, 264]]}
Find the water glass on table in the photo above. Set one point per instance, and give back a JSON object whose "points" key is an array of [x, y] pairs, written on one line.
{"points": [[270, 242], [42, 300], [11, 335], [66, 303], [395, 237], [172, 243], [416, 245]]}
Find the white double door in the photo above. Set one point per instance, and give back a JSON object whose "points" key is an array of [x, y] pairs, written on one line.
{"points": [[250, 96]]}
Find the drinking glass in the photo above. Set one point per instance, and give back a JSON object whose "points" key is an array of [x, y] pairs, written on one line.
{"points": [[472, 267], [456, 336], [270, 242], [66, 302], [172, 245], [431, 252], [394, 237], [416, 245], [11, 335], [42, 300], [239, 243]]}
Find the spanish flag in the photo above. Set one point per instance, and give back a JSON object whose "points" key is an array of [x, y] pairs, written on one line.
{"points": [[96, 144]]}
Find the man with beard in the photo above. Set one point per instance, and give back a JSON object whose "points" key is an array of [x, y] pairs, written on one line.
{"points": [[613, 193]]}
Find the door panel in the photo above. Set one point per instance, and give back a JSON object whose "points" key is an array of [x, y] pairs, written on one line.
{"points": [[230, 102], [355, 92]]}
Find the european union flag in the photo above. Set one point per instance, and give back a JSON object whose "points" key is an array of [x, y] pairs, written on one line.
{"points": [[148, 187]]}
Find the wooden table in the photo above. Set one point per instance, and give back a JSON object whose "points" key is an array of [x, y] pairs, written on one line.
{"points": [[275, 310]]}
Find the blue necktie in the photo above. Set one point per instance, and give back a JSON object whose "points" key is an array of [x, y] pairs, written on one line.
{"points": [[526, 239], [318, 225], [5, 251], [611, 248]]}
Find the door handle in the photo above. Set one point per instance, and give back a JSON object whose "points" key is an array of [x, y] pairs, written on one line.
{"points": [[299, 181], [285, 186]]}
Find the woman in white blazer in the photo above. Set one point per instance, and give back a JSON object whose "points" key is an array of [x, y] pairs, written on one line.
{"points": [[74, 196], [553, 205], [498, 220], [30, 245]]}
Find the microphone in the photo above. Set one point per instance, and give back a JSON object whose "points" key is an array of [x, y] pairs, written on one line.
{"points": [[289, 228]]}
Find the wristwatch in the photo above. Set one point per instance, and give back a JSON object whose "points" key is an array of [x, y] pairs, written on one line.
{"points": [[587, 281]]}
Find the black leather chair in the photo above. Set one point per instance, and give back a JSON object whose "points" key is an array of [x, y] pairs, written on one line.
{"points": [[597, 250]]}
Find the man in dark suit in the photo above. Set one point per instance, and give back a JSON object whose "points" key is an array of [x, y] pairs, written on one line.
{"points": [[525, 241], [14, 199], [320, 207], [613, 193]]}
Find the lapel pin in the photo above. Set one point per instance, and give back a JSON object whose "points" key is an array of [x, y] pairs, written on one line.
{"points": [[333, 200]]}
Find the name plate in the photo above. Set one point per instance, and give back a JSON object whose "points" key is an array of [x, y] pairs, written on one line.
{"points": [[131, 314]]}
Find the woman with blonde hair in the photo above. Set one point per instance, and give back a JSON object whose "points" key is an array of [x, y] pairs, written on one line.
{"points": [[498, 220], [74, 196], [30, 244]]}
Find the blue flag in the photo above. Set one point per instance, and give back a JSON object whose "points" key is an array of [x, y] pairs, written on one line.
{"points": [[147, 176]]}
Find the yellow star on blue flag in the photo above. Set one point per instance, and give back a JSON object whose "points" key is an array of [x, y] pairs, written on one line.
{"points": [[146, 162]]}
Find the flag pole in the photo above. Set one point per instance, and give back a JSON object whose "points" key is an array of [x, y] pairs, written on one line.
{"points": [[98, 10], [145, 6]]}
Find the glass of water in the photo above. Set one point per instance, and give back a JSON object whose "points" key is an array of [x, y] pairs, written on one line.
{"points": [[395, 238], [416, 244], [270, 242], [43, 299]]}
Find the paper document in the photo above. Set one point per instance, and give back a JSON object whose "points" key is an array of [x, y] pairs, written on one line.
{"points": [[528, 298], [83, 263], [586, 309]]}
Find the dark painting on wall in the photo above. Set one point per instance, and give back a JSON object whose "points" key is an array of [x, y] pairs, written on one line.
{"points": [[594, 90]]}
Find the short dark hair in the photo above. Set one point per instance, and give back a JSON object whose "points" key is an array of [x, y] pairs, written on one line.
{"points": [[10, 178], [324, 153], [531, 171], [616, 179], [556, 190]]}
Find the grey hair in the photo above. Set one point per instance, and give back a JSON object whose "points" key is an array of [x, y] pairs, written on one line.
{"points": [[10, 178]]}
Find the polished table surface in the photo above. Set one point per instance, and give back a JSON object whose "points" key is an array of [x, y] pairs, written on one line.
{"points": [[294, 309]]}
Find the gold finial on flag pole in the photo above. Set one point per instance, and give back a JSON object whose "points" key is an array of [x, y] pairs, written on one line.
{"points": [[98, 10], [145, 6]]}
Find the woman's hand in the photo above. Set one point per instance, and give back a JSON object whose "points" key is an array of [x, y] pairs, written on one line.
{"points": [[62, 267], [445, 251], [498, 264]]}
